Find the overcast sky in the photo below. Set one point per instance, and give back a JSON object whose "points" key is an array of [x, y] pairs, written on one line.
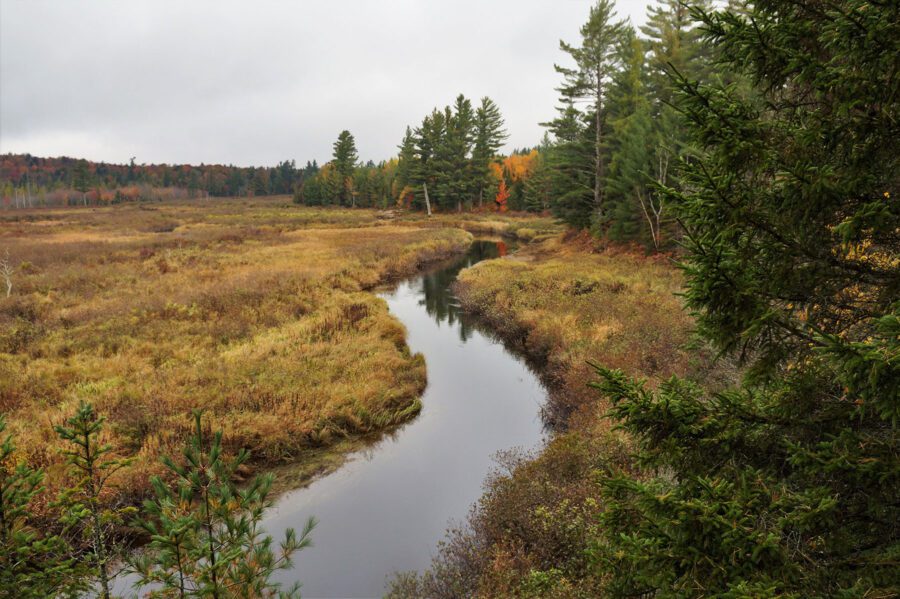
{"points": [[256, 82]]}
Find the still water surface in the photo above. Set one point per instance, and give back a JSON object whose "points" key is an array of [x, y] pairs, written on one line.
{"points": [[385, 510]]}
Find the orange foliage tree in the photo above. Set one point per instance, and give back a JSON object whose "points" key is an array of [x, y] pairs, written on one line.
{"points": [[502, 196]]}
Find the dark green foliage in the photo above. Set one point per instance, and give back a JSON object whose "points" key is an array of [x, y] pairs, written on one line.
{"points": [[81, 179], [596, 59], [538, 189], [489, 136], [571, 160], [450, 154], [344, 161], [788, 486], [206, 534], [85, 511], [630, 197], [32, 564]]}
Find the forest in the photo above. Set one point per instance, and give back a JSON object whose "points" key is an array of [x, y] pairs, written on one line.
{"points": [[705, 283]]}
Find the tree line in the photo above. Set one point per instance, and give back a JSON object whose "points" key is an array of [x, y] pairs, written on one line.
{"points": [[28, 181], [614, 144]]}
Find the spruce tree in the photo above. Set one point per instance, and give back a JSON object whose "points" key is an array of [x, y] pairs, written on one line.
{"points": [[788, 485]]}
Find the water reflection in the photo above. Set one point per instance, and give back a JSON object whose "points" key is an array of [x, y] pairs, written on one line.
{"points": [[437, 296]]}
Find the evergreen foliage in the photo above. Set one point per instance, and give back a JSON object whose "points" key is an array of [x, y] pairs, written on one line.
{"points": [[450, 153], [344, 161], [32, 564], [595, 61], [789, 485], [206, 537], [85, 510]]}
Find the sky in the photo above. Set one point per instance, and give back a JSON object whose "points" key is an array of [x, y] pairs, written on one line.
{"points": [[255, 82]]}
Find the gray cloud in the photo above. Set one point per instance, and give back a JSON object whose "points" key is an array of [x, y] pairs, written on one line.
{"points": [[252, 83]]}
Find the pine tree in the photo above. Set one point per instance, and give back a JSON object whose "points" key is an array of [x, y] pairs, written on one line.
{"points": [[344, 159], [429, 166], [459, 138], [206, 534], [32, 564], [488, 138], [406, 165], [633, 202], [571, 161], [92, 464], [595, 61], [788, 485]]}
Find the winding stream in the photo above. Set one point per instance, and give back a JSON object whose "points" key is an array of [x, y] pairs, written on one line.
{"points": [[385, 510]]}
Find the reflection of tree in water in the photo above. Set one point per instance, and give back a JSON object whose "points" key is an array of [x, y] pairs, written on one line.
{"points": [[438, 300]]}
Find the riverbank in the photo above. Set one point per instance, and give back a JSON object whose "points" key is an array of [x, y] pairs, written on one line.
{"points": [[563, 302]]}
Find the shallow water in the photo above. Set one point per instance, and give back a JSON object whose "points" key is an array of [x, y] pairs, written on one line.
{"points": [[386, 509]]}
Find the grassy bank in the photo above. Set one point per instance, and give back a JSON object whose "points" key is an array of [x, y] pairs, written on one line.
{"points": [[258, 314], [565, 304]]}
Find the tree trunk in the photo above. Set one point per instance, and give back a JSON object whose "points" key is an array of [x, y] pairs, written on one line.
{"points": [[427, 201]]}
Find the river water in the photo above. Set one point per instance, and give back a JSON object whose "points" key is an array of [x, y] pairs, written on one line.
{"points": [[385, 510]]}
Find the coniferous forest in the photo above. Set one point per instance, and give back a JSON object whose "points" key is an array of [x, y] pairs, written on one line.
{"points": [[708, 286]]}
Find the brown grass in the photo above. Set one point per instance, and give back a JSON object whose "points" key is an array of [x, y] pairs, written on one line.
{"points": [[258, 313], [566, 303]]}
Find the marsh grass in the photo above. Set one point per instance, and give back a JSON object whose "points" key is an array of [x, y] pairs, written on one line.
{"points": [[258, 313], [565, 303]]}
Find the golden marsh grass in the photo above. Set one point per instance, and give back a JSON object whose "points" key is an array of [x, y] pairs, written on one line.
{"points": [[258, 313]]}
